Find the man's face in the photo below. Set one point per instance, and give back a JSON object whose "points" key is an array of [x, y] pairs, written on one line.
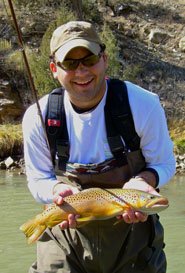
{"points": [[85, 85]]}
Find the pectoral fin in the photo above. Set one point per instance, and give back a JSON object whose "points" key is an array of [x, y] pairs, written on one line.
{"points": [[84, 220], [116, 209], [118, 221]]}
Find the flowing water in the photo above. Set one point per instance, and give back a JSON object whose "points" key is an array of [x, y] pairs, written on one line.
{"points": [[17, 206]]}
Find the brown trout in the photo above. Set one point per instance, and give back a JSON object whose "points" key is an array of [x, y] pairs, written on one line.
{"points": [[93, 204]]}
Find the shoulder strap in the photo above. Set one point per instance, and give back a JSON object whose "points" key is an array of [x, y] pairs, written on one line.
{"points": [[119, 121], [56, 126]]}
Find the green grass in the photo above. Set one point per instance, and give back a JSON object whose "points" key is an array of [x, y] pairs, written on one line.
{"points": [[5, 45], [11, 140]]}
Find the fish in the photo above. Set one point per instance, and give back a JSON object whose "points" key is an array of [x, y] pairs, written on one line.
{"points": [[93, 204]]}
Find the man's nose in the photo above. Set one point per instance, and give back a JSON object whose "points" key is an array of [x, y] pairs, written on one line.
{"points": [[81, 69]]}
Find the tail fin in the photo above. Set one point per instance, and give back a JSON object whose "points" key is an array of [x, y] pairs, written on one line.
{"points": [[32, 230]]}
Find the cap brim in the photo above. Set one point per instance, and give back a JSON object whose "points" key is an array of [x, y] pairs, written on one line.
{"points": [[64, 50]]}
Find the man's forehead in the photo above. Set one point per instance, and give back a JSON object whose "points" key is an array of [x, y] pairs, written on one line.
{"points": [[73, 53]]}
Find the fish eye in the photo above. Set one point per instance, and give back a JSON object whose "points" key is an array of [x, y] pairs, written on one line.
{"points": [[152, 197]]}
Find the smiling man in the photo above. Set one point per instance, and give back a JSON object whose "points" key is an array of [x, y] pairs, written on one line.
{"points": [[86, 152]]}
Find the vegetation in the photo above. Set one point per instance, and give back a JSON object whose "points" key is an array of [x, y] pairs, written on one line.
{"points": [[5, 45], [15, 59], [112, 50], [11, 140], [177, 133]]}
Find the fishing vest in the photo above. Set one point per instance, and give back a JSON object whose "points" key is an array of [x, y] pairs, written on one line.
{"points": [[119, 125]]}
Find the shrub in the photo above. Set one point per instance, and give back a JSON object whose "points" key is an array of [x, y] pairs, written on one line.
{"points": [[39, 63], [112, 50], [132, 71]]}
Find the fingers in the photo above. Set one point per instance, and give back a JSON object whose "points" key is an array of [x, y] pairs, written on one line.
{"points": [[58, 199], [132, 217], [140, 185], [71, 223], [61, 191]]}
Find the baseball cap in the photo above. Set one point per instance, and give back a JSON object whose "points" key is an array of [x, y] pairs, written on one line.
{"points": [[74, 34]]}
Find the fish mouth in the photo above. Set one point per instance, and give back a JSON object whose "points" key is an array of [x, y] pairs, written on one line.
{"points": [[161, 202]]}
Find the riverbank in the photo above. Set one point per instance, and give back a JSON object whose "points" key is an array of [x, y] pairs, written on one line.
{"points": [[17, 164], [11, 146]]}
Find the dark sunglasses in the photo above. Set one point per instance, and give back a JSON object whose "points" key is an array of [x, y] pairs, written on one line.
{"points": [[72, 64]]}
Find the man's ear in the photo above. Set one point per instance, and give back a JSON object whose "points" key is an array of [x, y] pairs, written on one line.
{"points": [[53, 69]]}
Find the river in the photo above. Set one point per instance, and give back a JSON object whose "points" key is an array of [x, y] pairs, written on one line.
{"points": [[17, 205]]}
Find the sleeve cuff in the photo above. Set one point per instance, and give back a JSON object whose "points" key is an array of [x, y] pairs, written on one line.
{"points": [[155, 173]]}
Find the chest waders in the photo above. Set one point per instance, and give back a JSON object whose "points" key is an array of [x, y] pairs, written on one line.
{"points": [[101, 246]]}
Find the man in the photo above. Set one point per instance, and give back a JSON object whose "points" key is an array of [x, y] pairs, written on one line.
{"points": [[79, 62]]}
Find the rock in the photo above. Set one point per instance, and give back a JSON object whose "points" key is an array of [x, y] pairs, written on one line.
{"points": [[180, 163], [2, 165], [158, 36], [145, 30], [123, 9], [24, 30], [21, 173], [181, 157], [9, 162], [182, 44]]}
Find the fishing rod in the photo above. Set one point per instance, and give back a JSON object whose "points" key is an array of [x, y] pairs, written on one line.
{"points": [[28, 70]]}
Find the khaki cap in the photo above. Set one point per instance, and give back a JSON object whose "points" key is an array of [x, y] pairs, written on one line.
{"points": [[74, 34]]}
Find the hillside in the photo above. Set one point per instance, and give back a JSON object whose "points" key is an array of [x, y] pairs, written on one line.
{"points": [[149, 33]]}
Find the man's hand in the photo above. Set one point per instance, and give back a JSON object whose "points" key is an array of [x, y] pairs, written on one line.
{"points": [[60, 191], [132, 216]]}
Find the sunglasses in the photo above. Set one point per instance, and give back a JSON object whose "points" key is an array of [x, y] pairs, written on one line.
{"points": [[72, 64]]}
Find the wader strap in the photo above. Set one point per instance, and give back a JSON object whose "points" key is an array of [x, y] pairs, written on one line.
{"points": [[56, 126], [119, 122]]}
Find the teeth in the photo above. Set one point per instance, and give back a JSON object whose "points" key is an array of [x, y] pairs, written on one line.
{"points": [[83, 82]]}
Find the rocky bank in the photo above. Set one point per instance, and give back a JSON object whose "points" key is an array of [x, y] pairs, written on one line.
{"points": [[17, 164]]}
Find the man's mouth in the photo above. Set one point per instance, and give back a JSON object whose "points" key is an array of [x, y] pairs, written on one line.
{"points": [[83, 83]]}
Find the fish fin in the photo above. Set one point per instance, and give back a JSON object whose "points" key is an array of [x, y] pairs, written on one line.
{"points": [[32, 230], [116, 209], [84, 220], [118, 221]]}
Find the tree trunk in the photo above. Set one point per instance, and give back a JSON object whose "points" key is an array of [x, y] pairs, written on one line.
{"points": [[77, 7]]}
